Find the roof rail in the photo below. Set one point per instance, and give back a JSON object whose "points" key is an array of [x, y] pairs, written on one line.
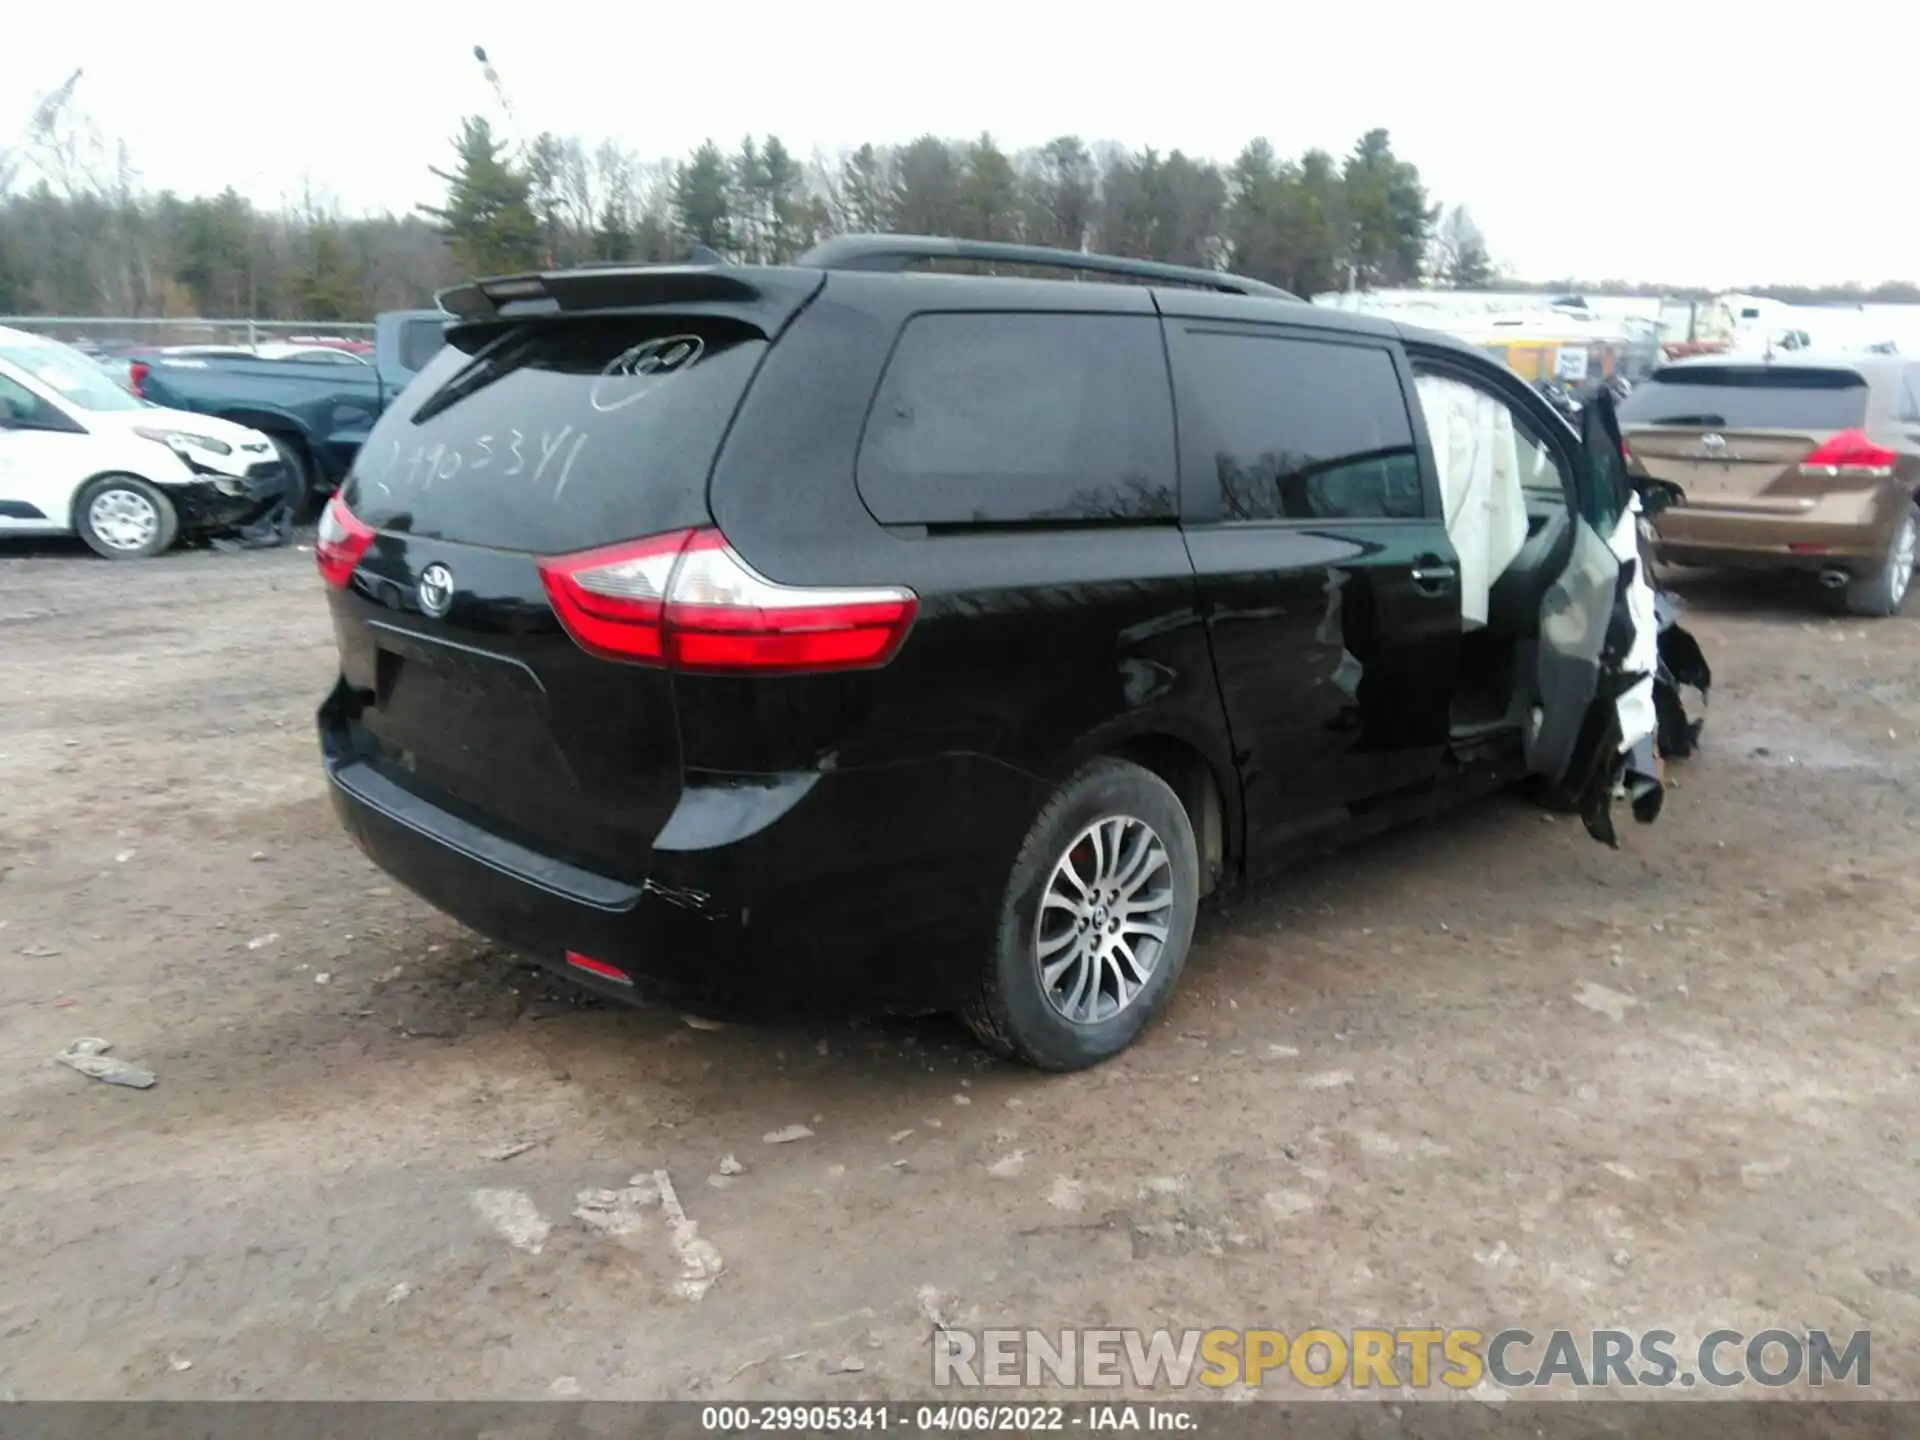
{"points": [[898, 252]]}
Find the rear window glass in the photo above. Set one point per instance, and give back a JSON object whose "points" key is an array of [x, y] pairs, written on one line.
{"points": [[560, 435], [1022, 418], [1735, 397]]}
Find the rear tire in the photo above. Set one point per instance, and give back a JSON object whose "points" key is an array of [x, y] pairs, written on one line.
{"points": [[1885, 590], [125, 518], [1112, 860]]}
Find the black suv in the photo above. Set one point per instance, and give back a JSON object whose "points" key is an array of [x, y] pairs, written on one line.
{"points": [[846, 633]]}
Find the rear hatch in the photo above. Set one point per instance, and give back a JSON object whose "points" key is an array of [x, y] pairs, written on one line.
{"points": [[1734, 436], [543, 429]]}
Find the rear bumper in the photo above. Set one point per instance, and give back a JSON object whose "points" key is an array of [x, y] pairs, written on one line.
{"points": [[1852, 528], [848, 891]]}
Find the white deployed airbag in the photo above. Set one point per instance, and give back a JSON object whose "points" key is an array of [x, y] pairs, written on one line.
{"points": [[1477, 455]]}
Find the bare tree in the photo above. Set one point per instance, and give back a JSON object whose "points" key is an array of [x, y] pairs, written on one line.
{"points": [[63, 144], [1457, 255]]}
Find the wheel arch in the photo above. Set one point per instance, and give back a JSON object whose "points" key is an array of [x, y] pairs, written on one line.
{"points": [[281, 427], [111, 473], [1209, 802]]}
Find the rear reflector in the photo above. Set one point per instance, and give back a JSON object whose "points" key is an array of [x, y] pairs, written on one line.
{"points": [[1850, 455], [1806, 547], [599, 967], [686, 601], [341, 543]]}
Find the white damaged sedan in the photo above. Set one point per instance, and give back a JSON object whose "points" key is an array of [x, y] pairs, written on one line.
{"points": [[81, 455]]}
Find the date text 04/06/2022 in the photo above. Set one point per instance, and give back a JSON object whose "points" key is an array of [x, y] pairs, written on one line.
{"points": [[941, 1419]]}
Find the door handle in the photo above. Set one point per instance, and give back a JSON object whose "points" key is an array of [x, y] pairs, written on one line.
{"points": [[1434, 576]]}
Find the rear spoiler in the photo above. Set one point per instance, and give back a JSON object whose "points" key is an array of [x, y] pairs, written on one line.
{"points": [[747, 291]]}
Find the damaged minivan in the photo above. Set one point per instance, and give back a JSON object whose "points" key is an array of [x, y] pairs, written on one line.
{"points": [[849, 635]]}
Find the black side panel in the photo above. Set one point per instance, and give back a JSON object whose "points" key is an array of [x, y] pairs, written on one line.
{"points": [[1328, 579], [1036, 644]]}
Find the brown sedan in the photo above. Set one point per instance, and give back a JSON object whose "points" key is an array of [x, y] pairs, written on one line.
{"points": [[1793, 463]]}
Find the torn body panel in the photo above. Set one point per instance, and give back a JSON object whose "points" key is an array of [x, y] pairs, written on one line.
{"points": [[1682, 662], [1592, 734]]}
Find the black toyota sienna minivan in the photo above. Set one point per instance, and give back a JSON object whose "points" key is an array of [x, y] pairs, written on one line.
{"points": [[861, 635]]}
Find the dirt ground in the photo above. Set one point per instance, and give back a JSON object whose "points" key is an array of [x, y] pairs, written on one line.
{"points": [[1378, 1098]]}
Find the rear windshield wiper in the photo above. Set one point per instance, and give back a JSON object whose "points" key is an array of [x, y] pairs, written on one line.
{"points": [[488, 364], [1687, 420]]}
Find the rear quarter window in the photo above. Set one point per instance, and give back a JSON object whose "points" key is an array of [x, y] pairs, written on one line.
{"points": [[1749, 397], [420, 341], [565, 434], [1019, 419]]}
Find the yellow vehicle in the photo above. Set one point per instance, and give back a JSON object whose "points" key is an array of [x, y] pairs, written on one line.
{"points": [[1574, 351]]}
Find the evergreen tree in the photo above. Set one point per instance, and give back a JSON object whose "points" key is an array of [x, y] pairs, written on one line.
{"points": [[487, 218], [1388, 219], [1159, 208], [701, 205], [1311, 223], [546, 193], [989, 197], [862, 201], [750, 202], [329, 283], [613, 235], [1061, 194], [216, 253], [924, 188], [785, 205]]}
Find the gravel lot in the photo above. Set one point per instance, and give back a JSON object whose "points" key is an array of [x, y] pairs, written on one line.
{"points": [[1386, 1093]]}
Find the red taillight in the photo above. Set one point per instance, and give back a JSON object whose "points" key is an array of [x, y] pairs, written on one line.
{"points": [[342, 541], [598, 967], [137, 378], [1850, 455], [687, 601], [613, 600]]}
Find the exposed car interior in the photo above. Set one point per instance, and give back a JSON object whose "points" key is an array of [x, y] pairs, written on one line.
{"points": [[1507, 515]]}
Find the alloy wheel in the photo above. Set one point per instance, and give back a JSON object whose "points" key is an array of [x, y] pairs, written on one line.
{"points": [[1104, 919]]}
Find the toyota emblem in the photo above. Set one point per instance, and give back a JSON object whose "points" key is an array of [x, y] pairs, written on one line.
{"points": [[436, 590], [1714, 443]]}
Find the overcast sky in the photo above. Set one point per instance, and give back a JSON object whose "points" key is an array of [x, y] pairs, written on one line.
{"points": [[1687, 140]]}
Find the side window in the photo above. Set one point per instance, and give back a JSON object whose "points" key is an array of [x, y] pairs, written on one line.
{"points": [[1009, 418], [1540, 473], [20, 406], [1303, 429], [1910, 397], [1481, 441], [420, 341]]}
